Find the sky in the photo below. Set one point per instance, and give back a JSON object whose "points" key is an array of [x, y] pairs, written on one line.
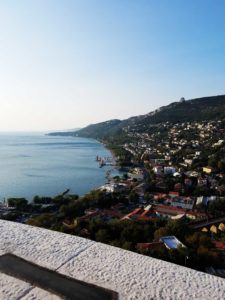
{"points": [[67, 64]]}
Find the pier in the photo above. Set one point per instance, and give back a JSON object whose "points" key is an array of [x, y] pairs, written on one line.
{"points": [[105, 161]]}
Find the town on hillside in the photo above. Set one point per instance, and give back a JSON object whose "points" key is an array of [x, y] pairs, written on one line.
{"points": [[169, 203]]}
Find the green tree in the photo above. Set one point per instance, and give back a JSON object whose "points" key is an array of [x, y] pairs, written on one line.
{"points": [[18, 203], [221, 165], [102, 235], [44, 220]]}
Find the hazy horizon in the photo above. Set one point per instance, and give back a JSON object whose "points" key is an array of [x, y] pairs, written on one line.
{"points": [[69, 64], [45, 131]]}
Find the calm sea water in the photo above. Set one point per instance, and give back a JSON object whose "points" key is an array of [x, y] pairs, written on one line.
{"points": [[43, 165]]}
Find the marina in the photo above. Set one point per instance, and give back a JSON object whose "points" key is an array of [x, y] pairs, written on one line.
{"points": [[105, 161]]}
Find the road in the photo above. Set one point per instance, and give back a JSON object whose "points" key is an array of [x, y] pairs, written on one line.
{"points": [[208, 223]]}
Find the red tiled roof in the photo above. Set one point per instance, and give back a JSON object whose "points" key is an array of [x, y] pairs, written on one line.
{"points": [[219, 245], [134, 212], [174, 193], [148, 246], [171, 208]]}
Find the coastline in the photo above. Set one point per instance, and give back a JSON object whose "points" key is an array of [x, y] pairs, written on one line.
{"points": [[38, 159], [107, 147]]}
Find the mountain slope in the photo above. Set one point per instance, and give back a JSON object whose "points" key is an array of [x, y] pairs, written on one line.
{"points": [[207, 108], [100, 130], [200, 109]]}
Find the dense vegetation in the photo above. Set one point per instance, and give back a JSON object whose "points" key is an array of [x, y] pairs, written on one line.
{"points": [[66, 216], [201, 109]]}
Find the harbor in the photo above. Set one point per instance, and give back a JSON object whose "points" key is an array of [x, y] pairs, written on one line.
{"points": [[105, 161]]}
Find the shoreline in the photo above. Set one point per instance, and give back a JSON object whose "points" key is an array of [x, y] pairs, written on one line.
{"points": [[24, 192], [111, 151]]}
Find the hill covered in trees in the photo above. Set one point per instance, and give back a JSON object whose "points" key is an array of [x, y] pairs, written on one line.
{"points": [[200, 109]]}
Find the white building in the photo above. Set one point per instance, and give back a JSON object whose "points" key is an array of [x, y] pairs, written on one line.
{"points": [[169, 170]]}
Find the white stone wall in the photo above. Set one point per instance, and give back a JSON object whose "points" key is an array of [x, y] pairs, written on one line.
{"points": [[132, 275]]}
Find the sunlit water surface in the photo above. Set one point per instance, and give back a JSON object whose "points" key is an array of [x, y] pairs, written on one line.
{"points": [[44, 165]]}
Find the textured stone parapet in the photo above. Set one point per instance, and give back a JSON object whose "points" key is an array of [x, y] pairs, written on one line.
{"points": [[131, 275]]}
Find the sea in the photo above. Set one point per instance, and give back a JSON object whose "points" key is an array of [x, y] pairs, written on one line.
{"points": [[38, 164]]}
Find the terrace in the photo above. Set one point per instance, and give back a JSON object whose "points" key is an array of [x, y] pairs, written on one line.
{"points": [[106, 271]]}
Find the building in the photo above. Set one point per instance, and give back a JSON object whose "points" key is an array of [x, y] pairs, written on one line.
{"points": [[169, 170], [207, 170], [136, 173], [158, 170], [171, 242], [183, 202]]}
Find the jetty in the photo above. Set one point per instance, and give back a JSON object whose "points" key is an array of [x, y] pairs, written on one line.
{"points": [[105, 161]]}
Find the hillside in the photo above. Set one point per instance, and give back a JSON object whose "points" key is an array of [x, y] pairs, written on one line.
{"points": [[100, 130], [200, 109]]}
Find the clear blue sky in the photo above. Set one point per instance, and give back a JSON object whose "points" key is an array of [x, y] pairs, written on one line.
{"points": [[65, 64]]}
